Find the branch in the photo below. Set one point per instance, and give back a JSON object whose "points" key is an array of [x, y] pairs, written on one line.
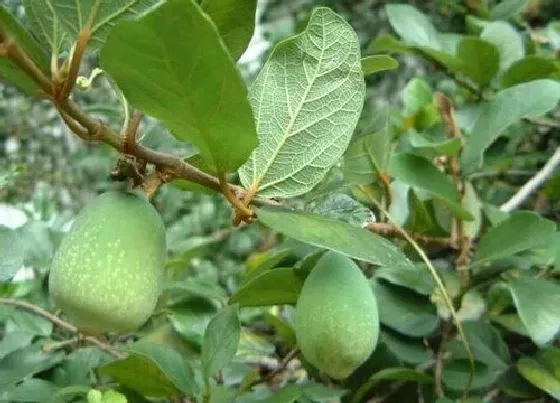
{"points": [[532, 184], [60, 323], [391, 231]]}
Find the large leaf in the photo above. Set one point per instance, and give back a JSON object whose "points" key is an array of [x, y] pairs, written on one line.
{"points": [[273, 287], [377, 63], [391, 374], [543, 371], [481, 59], [30, 390], [221, 339], [14, 340], [533, 67], [25, 362], [191, 85], [154, 370], [416, 278], [508, 106], [507, 9], [537, 302], [366, 156], [414, 27], [520, 232], [448, 147], [421, 173], [8, 69], [307, 100], [506, 39], [235, 20], [333, 234], [11, 253], [58, 22], [406, 312]]}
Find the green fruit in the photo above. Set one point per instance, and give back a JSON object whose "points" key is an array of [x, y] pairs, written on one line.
{"points": [[106, 274], [337, 323]]}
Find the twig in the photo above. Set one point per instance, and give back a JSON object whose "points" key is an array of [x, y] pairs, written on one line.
{"points": [[152, 184], [87, 128], [525, 191], [395, 386], [440, 357], [56, 346], [131, 131], [462, 263], [391, 231], [75, 62], [60, 323], [281, 366], [553, 124], [441, 287]]}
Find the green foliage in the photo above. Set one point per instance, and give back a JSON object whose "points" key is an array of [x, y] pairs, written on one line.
{"points": [[216, 117], [400, 160], [289, 99]]}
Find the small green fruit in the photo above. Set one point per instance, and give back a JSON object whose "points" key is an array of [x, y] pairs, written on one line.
{"points": [[337, 323], [106, 274]]}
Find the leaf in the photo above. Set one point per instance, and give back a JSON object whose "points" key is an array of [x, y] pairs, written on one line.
{"points": [[508, 9], [416, 95], [448, 147], [59, 22], [543, 372], [506, 39], [486, 344], [473, 205], [153, 370], [29, 322], [288, 394], [481, 59], [366, 156], [520, 232], [193, 87], [235, 20], [529, 68], [391, 374], [273, 287], [407, 313], [11, 253], [333, 234], [197, 287], [456, 375], [537, 300], [420, 173], [342, 207], [508, 106], [8, 69], [413, 26], [14, 340], [376, 63], [407, 350], [318, 392], [30, 390], [390, 44], [416, 278], [221, 339], [26, 362], [307, 100]]}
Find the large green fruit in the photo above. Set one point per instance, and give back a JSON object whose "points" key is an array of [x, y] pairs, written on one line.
{"points": [[337, 323], [106, 274]]}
